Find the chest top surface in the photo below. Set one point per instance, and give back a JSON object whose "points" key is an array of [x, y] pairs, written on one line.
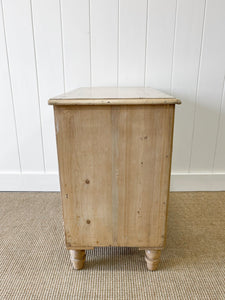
{"points": [[113, 96]]}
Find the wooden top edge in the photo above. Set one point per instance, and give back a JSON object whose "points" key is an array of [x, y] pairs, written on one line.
{"points": [[95, 93], [113, 96], [116, 101]]}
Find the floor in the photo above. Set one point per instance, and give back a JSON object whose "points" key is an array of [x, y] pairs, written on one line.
{"points": [[34, 263]]}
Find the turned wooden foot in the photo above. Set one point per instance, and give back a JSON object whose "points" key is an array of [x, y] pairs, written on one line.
{"points": [[77, 258], [152, 258]]}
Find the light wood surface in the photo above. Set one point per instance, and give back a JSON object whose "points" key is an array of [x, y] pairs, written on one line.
{"points": [[84, 145], [142, 160], [77, 258], [110, 102], [114, 171], [113, 96], [152, 258], [115, 164]]}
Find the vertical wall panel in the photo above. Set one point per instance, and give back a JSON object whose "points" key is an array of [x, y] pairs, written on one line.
{"points": [[9, 157], [76, 42], [160, 43], [219, 162], [187, 49], [132, 42], [24, 85], [49, 46], [49, 58], [212, 70], [104, 42]]}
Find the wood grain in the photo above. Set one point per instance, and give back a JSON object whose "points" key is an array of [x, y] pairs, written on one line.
{"points": [[113, 96], [110, 102], [114, 172], [85, 152], [143, 157], [152, 258], [97, 93], [77, 258]]}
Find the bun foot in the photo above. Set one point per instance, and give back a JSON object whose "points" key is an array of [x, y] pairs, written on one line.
{"points": [[77, 258], [152, 258]]}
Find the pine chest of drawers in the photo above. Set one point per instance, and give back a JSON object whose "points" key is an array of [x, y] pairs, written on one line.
{"points": [[114, 152]]}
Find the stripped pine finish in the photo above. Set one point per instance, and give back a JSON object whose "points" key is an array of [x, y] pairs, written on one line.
{"points": [[114, 163]]}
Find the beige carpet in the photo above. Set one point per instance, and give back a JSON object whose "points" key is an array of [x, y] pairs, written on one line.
{"points": [[35, 264]]}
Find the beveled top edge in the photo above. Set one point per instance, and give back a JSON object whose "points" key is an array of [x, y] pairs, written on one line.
{"points": [[70, 102], [113, 96]]}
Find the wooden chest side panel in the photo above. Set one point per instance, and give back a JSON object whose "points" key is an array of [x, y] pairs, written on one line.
{"points": [[85, 163], [114, 173], [142, 165]]}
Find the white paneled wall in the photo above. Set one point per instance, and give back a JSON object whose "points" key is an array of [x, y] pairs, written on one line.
{"points": [[51, 46]]}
